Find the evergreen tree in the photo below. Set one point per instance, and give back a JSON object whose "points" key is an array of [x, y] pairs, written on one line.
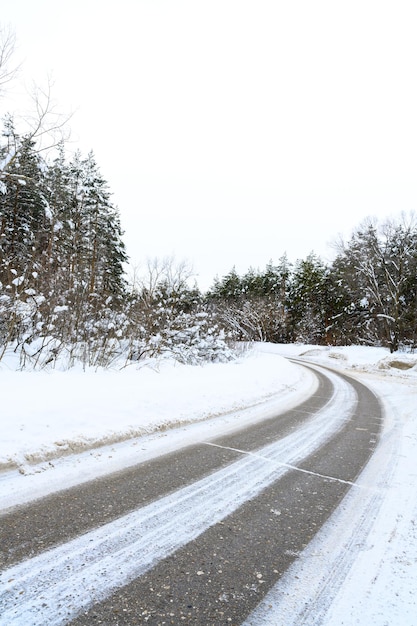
{"points": [[61, 248], [229, 288], [169, 317], [377, 269], [309, 300], [24, 219], [24, 225], [254, 307], [97, 252]]}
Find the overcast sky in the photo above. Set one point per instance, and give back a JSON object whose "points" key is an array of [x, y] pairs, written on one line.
{"points": [[233, 131]]}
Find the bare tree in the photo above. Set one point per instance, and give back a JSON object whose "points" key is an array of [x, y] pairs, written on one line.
{"points": [[43, 126], [175, 275], [7, 47], [46, 124]]}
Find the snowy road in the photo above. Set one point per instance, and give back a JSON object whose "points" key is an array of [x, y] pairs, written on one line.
{"points": [[205, 552]]}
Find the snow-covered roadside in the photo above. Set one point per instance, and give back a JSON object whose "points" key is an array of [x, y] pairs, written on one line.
{"points": [[62, 428], [383, 580], [361, 568]]}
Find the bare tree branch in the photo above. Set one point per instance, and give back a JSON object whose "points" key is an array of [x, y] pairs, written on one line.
{"points": [[7, 48], [175, 274], [45, 126]]}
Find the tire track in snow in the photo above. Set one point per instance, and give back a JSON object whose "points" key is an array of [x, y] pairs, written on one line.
{"points": [[56, 585], [222, 575], [305, 594]]}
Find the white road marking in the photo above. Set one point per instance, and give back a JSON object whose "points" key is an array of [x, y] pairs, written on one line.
{"points": [[286, 465]]}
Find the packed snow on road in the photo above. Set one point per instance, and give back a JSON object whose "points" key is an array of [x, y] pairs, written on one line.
{"points": [[60, 428]]}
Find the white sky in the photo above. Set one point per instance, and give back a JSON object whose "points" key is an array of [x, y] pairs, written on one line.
{"points": [[232, 131]]}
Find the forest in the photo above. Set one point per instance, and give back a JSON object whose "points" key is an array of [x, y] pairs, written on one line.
{"points": [[64, 293], [366, 295]]}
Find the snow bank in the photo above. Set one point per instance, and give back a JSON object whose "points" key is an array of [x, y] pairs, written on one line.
{"points": [[46, 415]]}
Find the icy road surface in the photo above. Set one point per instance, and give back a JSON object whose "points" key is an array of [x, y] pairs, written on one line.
{"points": [[364, 561]]}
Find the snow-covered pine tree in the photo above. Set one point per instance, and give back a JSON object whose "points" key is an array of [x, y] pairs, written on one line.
{"points": [[377, 271], [61, 250], [24, 227], [253, 307], [94, 285], [169, 317], [309, 304]]}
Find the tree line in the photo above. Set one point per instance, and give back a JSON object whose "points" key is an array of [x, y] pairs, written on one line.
{"points": [[63, 285], [367, 295]]}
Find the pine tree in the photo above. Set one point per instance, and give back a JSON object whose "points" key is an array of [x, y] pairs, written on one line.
{"points": [[377, 272], [309, 301], [24, 226], [254, 307], [61, 248]]}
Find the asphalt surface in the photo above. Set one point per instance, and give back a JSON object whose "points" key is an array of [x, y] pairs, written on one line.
{"points": [[221, 576]]}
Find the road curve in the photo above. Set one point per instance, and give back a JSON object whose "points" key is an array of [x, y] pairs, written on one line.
{"points": [[194, 537]]}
